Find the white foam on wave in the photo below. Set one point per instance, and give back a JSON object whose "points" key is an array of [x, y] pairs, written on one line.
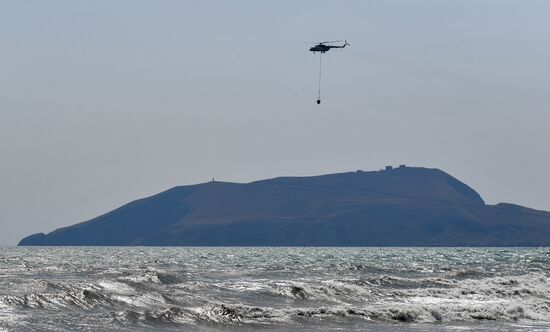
{"points": [[244, 286], [116, 287], [147, 300], [351, 292], [146, 277], [431, 300]]}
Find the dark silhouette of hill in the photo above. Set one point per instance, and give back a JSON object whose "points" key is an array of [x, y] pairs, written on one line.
{"points": [[406, 206]]}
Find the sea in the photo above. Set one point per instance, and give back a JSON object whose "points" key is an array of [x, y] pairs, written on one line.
{"points": [[274, 289]]}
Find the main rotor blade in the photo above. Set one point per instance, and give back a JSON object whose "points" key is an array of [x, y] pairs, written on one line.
{"points": [[324, 42]]}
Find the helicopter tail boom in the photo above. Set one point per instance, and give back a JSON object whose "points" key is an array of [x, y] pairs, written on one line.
{"points": [[345, 44]]}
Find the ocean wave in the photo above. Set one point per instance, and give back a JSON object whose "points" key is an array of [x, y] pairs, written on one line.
{"points": [[155, 276], [469, 274], [171, 315], [402, 282], [527, 286], [85, 298], [193, 294], [103, 294], [238, 314]]}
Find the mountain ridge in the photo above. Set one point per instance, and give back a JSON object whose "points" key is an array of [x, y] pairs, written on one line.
{"points": [[404, 206]]}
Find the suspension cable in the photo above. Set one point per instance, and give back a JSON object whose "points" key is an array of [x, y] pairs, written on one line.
{"points": [[319, 91]]}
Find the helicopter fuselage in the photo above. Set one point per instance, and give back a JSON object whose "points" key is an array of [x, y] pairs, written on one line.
{"points": [[320, 48], [323, 48]]}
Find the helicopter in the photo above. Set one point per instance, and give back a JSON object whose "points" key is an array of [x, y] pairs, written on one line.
{"points": [[323, 48]]}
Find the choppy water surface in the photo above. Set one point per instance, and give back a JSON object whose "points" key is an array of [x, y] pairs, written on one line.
{"points": [[388, 289]]}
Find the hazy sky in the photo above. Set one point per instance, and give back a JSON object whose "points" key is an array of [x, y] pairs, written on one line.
{"points": [[103, 102]]}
